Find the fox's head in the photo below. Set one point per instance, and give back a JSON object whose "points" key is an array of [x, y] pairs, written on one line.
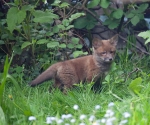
{"points": [[104, 50]]}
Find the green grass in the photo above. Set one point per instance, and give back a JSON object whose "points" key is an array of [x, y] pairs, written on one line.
{"points": [[127, 85]]}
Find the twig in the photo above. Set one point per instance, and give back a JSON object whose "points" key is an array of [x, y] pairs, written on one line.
{"points": [[134, 45], [83, 42], [135, 70], [93, 15], [6, 3]]}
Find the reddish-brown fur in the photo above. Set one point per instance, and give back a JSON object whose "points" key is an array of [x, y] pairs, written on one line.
{"points": [[83, 69]]}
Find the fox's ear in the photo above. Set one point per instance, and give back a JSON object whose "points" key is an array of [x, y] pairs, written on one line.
{"points": [[114, 40], [96, 42]]}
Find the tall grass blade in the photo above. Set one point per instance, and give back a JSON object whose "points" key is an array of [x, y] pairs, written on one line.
{"points": [[2, 117], [4, 77]]}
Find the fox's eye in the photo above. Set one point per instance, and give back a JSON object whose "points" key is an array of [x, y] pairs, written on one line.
{"points": [[111, 51], [103, 53]]}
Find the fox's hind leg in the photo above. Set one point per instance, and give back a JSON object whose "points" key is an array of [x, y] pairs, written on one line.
{"points": [[64, 80], [57, 84]]}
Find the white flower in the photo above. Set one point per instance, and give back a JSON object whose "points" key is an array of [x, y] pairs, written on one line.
{"points": [[111, 104], [95, 123], [75, 107], [92, 117], [67, 124], [126, 114], [82, 117], [72, 120], [48, 121], [50, 118], [97, 107], [123, 122], [31, 118], [82, 124], [109, 113], [60, 121], [69, 115], [66, 116], [63, 116], [103, 120], [109, 121]]}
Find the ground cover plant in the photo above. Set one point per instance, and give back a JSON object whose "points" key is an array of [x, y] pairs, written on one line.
{"points": [[35, 35], [124, 99]]}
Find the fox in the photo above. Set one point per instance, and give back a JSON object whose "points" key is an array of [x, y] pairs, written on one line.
{"points": [[82, 69]]}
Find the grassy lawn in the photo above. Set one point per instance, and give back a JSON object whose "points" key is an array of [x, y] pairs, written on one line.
{"points": [[124, 99]]}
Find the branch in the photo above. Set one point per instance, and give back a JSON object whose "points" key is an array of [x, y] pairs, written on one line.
{"points": [[6, 3], [135, 46], [93, 15]]}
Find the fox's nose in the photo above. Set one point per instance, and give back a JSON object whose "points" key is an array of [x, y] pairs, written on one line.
{"points": [[110, 59]]}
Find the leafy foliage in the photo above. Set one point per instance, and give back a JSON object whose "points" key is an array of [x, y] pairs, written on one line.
{"points": [[145, 35], [137, 14], [15, 17], [135, 85]]}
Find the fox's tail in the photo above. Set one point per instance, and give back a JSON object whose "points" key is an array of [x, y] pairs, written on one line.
{"points": [[46, 75]]}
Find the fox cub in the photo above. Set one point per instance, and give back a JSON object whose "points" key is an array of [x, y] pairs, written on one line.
{"points": [[83, 69]]}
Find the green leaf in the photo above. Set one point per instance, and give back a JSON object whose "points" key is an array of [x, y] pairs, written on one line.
{"points": [[49, 34], [107, 78], [75, 16], [118, 13], [142, 8], [1, 42], [91, 25], [71, 46], [140, 15], [93, 3], [107, 22], [14, 17], [130, 15], [61, 27], [28, 7], [69, 27], [75, 40], [55, 29], [104, 3], [78, 53], [64, 4], [80, 23], [145, 34], [135, 20], [17, 50], [21, 16], [79, 46], [44, 17], [65, 22], [62, 45], [52, 44], [147, 41], [113, 25], [135, 85], [25, 44], [87, 22], [42, 41]]}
